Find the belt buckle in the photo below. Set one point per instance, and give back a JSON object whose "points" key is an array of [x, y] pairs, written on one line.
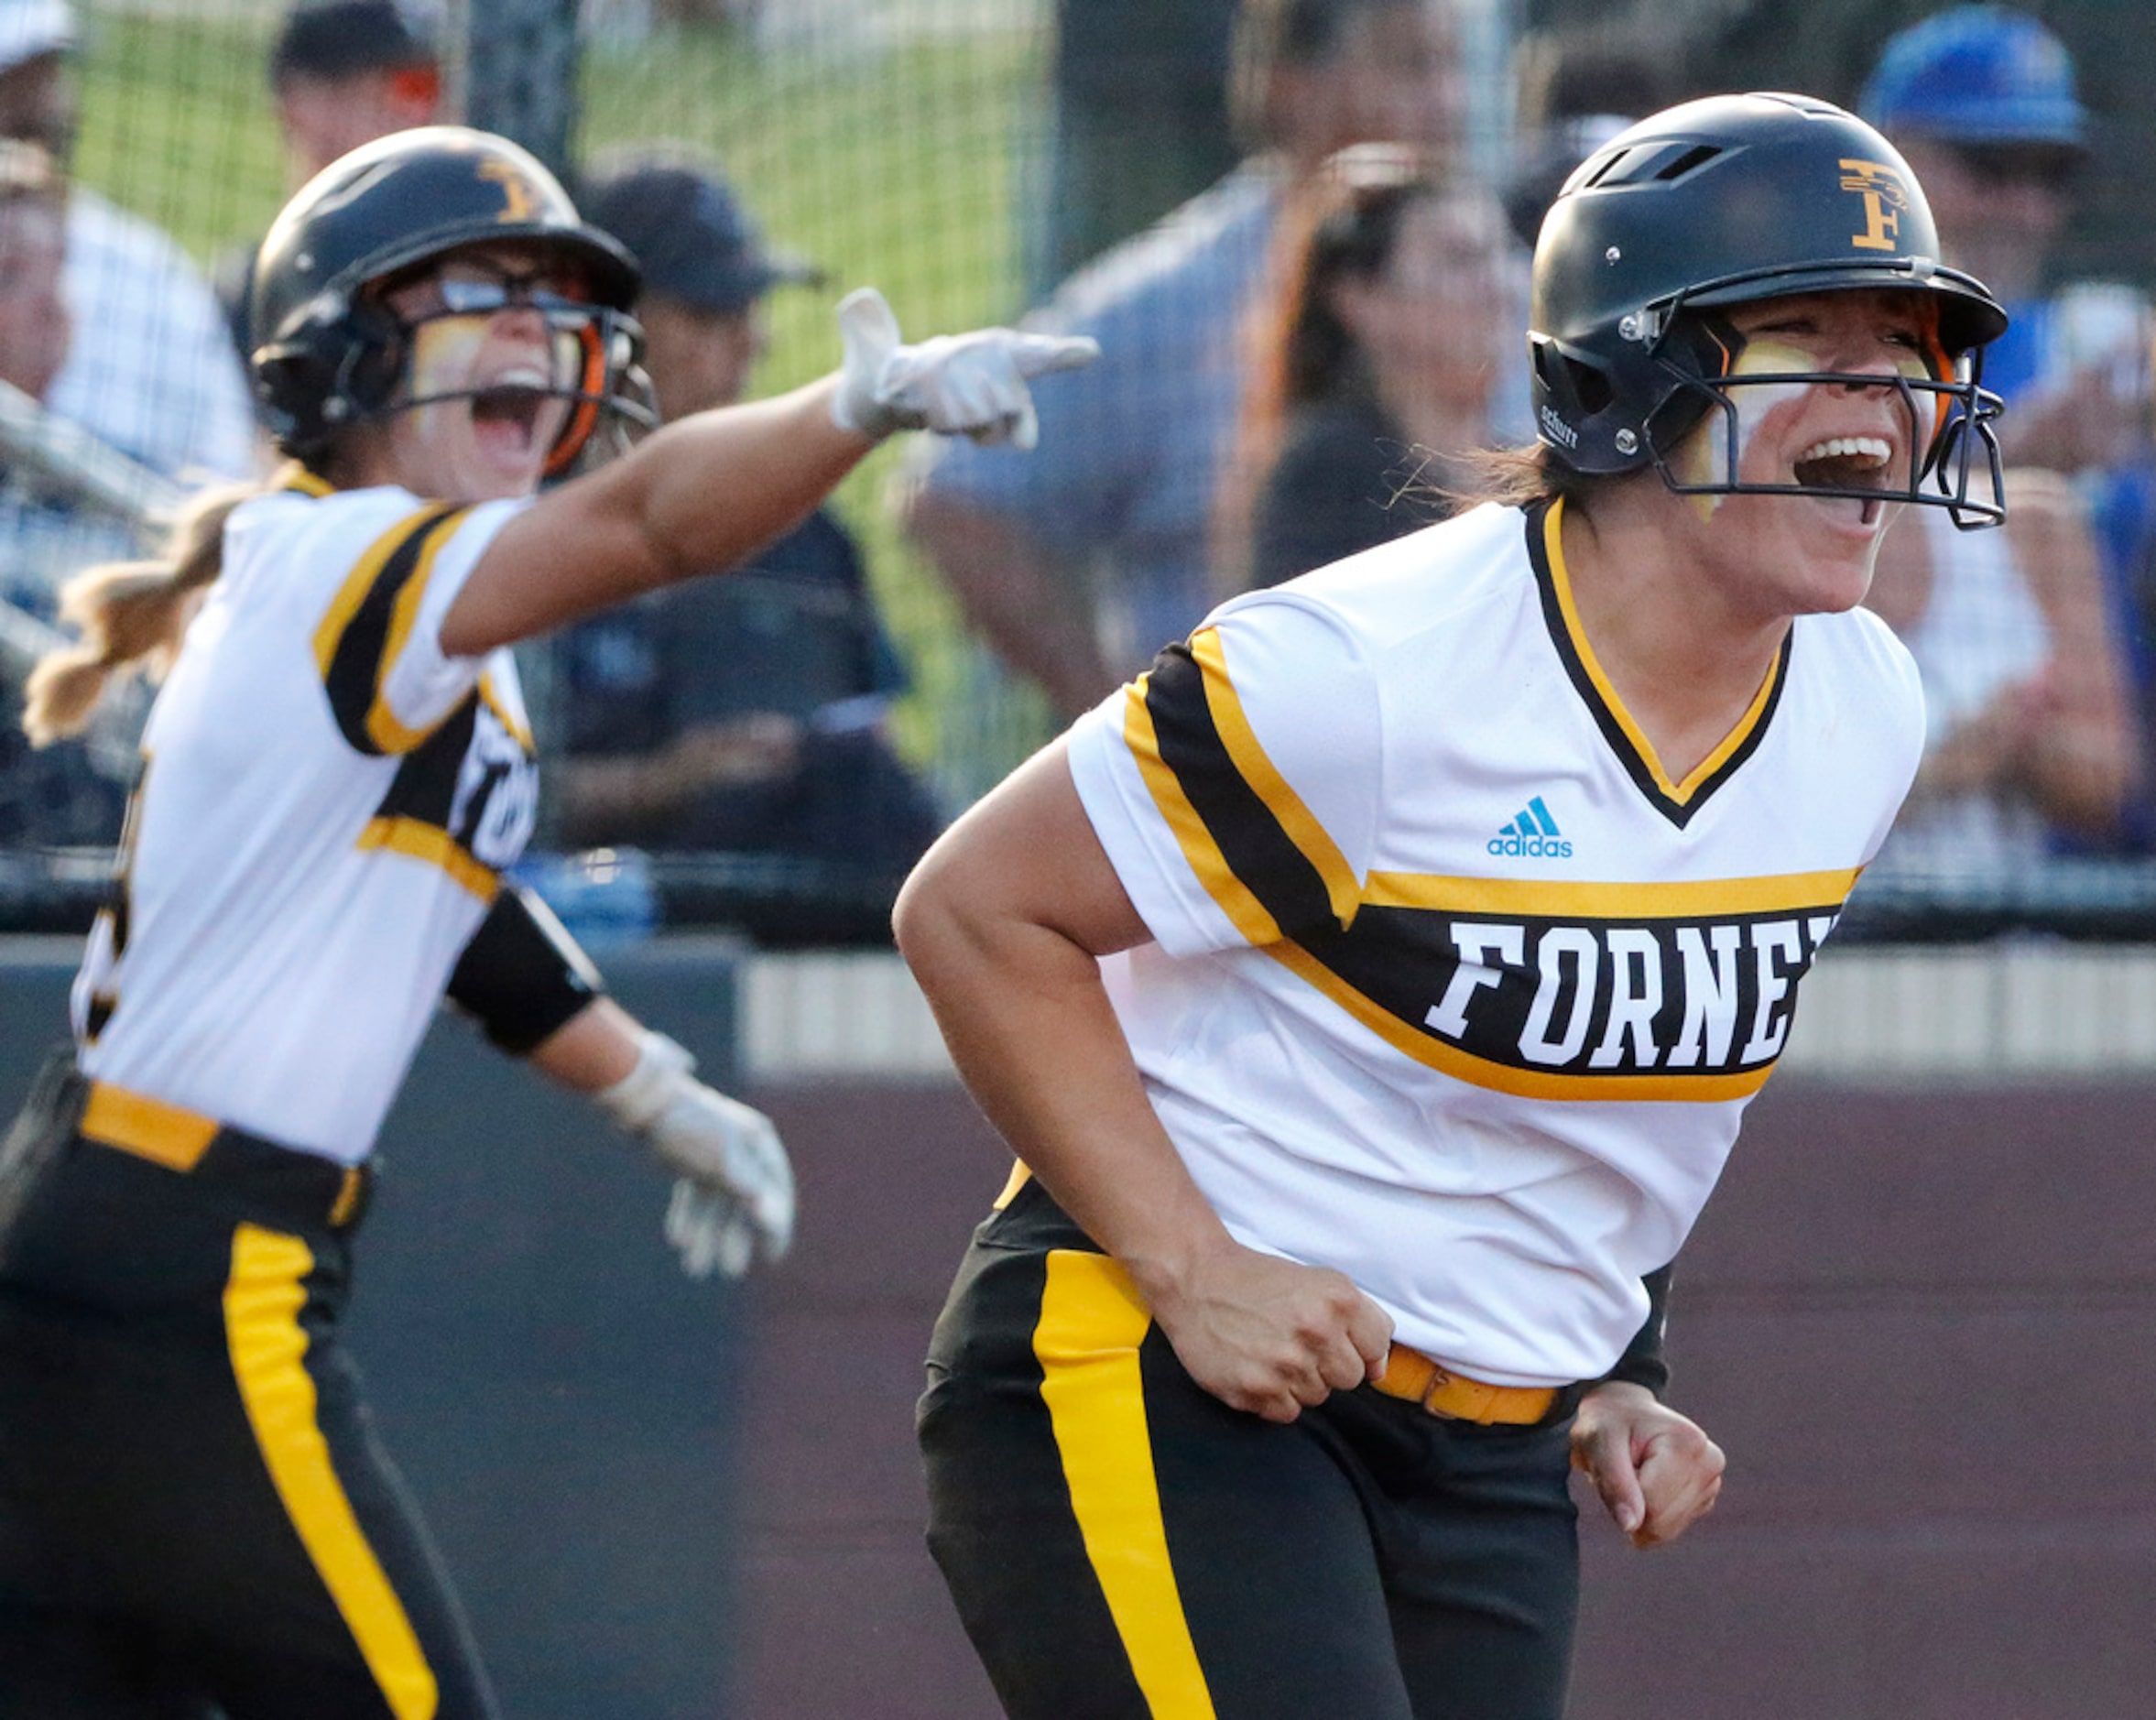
{"points": [[1439, 1379]]}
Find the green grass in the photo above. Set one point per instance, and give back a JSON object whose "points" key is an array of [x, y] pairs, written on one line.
{"points": [[177, 126]]}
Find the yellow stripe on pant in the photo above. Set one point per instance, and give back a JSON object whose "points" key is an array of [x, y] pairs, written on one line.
{"points": [[262, 1302], [1092, 1321]]}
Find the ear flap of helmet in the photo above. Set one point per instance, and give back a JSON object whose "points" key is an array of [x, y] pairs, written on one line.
{"points": [[338, 363], [1587, 401]]}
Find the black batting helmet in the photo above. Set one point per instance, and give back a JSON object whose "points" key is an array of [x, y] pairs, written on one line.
{"points": [[330, 355], [1725, 201]]}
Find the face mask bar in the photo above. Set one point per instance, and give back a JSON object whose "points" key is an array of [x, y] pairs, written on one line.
{"points": [[610, 386], [1947, 456], [631, 414]]}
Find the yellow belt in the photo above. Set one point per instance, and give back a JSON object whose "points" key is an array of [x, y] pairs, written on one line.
{"points": [[176, 1137], [1410, 1375], [149, 1128]]}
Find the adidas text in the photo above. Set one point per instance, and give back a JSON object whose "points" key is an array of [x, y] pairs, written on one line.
{"points": [[1544, 847]]}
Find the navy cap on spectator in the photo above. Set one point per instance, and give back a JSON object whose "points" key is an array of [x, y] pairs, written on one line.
{"points": [[1977, 75], [693, 240], [334, 40]]}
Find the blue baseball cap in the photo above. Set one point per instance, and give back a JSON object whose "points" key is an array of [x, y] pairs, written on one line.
{"points": [[1977, 75]]}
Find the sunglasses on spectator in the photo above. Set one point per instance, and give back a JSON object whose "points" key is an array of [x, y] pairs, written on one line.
{"points": [[2042, 165]]}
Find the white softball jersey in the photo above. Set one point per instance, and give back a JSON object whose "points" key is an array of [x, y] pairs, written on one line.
{"points": [[1452, 987], [328, 799]]}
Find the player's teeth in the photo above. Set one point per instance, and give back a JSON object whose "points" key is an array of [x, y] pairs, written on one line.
{"points": [[1869, 447]]}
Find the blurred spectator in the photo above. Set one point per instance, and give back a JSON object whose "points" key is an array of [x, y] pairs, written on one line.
{"points": [[1377, 353], [1575, 86], [46, 531], [1980, 100], [69, 794], [1076, 563], [2123, 513], [34, 332], [2032, 737], [745, 714], [346, 72], [2047, 745], [1138, 123], [153, 375], [343, 72]]}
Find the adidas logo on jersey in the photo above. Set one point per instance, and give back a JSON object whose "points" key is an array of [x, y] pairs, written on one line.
{"points": [[1533, 832]]}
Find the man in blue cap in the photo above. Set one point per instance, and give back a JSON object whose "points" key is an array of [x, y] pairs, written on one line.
{"points": [[1981, 102]]}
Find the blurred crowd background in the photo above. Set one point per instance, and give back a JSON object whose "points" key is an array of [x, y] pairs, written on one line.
{"points": [[1301, 230]]}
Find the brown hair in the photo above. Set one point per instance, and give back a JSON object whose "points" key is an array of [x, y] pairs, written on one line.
{"points": [[1340, 225], [1524, 476], [131, 614]]}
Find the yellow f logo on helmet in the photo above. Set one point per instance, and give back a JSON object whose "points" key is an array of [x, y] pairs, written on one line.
{"points": [[1885, 197], [517, 199]]}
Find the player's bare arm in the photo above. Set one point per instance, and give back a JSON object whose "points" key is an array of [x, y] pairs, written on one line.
{"points": [[1002, 925], [649, 519]]}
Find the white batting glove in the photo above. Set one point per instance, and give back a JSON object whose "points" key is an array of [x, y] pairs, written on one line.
{"points": [[957, 385], [735, 1201]]}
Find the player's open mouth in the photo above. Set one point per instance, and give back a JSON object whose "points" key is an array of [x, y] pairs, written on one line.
{"points": [[1847, 462], [504, 414]]}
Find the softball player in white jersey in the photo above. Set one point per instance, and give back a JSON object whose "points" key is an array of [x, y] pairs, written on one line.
{"points": [[196, 1518], [1371, 992]]}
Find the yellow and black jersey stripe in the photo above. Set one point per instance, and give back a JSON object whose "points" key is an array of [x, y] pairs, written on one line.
{"points": [[477, 766], [1542, 989], [368, 623]]}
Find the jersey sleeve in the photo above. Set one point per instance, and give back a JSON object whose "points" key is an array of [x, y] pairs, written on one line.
{"points": [[1234, 785], [377, 641]]}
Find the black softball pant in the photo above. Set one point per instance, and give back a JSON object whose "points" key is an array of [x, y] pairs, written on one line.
{"points": [[195, 1517], [1122, 1545]]}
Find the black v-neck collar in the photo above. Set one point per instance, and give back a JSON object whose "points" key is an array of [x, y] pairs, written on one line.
{"points": [[1676, 801]]}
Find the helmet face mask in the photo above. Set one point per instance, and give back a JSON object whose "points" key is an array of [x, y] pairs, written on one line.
{"points": [[1727, 203], [1948, 420], [330, 352]]}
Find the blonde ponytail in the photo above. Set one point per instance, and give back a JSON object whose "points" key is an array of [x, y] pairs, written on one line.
{"points": [[131, 615]]}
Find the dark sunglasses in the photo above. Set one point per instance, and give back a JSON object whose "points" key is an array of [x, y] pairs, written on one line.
{"points": [[2052, 168]]}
